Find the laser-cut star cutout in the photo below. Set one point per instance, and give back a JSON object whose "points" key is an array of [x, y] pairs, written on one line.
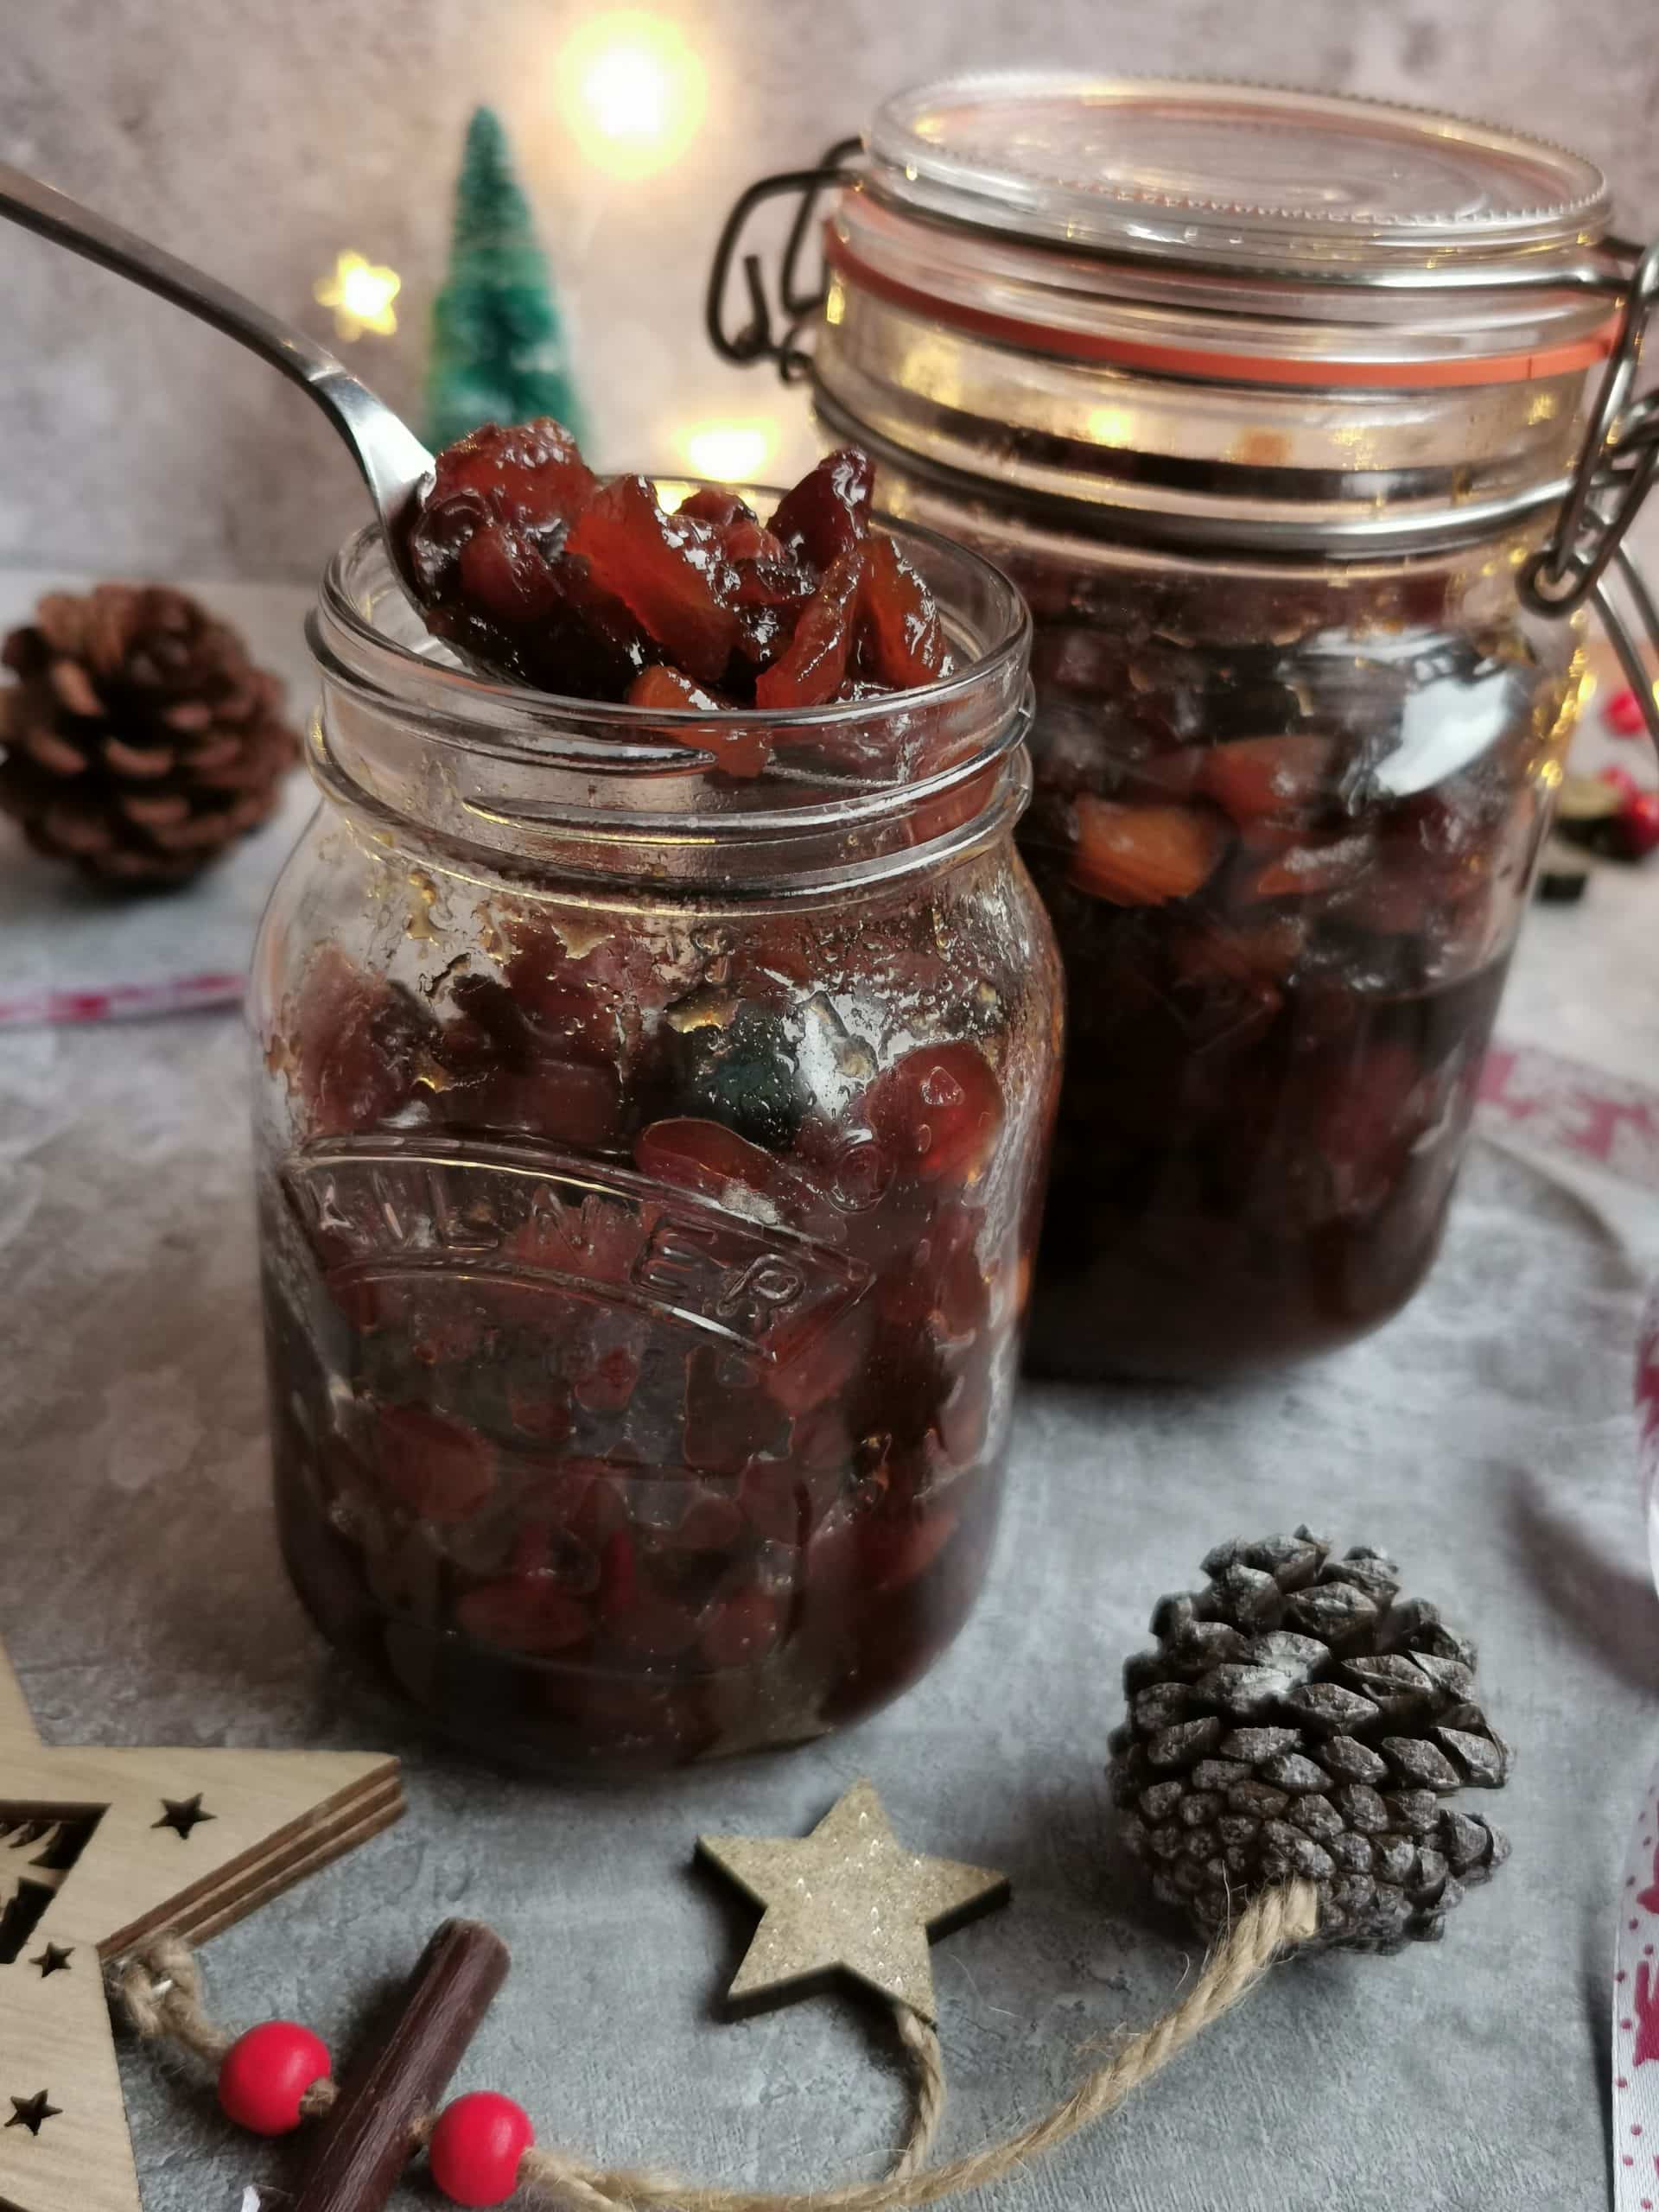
{"points": [[183, 1815], [849, 1899], [95, 1875], [33, 2112]]}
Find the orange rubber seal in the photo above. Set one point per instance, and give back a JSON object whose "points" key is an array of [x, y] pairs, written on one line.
{"points": [[1216, 366]]}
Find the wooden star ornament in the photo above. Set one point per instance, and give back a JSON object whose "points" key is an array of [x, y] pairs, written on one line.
{"points": [[100, 1850], [849, 1899]]}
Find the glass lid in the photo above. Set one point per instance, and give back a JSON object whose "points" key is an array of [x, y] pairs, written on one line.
{"points": [[1237, 173]]}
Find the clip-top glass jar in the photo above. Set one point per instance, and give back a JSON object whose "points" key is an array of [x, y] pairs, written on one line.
{"points": [[649, 1162], [1267, 401]]}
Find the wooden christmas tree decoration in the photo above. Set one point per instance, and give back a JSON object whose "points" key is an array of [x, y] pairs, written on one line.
{"points": [[99, 1850]]}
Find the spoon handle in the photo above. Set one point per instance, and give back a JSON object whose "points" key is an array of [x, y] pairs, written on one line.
{"points": [[389, 455]]}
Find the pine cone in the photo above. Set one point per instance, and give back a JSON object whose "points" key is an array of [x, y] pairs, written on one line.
{"points": [[140, 740], [1296, 1717]]}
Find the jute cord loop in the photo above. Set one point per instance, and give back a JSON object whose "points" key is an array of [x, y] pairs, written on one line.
{"points": [[161, 1988]]}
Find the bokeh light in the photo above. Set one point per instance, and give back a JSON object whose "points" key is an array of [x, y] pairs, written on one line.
{"points": [[633, 90], [361, 293], [731, 453]]}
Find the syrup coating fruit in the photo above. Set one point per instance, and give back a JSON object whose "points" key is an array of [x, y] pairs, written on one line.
{"points": [[645, 1303], [538, 571], [1285, 826]]}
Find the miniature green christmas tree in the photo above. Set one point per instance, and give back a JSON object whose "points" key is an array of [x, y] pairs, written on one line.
{"points": [[497, 344]]}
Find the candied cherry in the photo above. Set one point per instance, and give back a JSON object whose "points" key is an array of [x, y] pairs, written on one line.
{"points": [[938, 1111], [898, 1548], [729, 1418], [1373, 1109]]}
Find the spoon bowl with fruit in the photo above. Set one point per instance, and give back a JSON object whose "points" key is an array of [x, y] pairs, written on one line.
{"points": [[537, 572]]}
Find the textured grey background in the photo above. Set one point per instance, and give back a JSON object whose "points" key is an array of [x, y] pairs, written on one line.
{"points": [[259, 139], [1485, 1437]]}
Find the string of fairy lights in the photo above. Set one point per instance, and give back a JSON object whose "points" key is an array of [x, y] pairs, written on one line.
{"points": [[633, 94]]}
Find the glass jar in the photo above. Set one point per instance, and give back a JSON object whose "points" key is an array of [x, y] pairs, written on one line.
{"points": [[650, 1159], [1267, 401]]}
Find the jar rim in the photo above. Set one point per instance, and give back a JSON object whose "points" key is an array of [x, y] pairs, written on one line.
{"points": [[563, 729], [857, 793], [1179, 168]]}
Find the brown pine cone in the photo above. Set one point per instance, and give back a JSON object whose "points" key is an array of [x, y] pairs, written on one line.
{"points": [[139, 741], [1299, 1718]]}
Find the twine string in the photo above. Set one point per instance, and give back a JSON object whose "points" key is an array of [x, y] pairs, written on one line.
{"points": [[162, 1989]]}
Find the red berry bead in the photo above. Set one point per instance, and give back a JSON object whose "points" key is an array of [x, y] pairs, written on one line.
{"points": [[1638, 819], [266, 2073], [1623, 714], [476, 2146]]}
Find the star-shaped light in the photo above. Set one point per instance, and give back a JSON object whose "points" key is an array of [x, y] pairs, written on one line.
{"points": [[99, 1874], [849, 1899], [361, 293], [183, 1815]]}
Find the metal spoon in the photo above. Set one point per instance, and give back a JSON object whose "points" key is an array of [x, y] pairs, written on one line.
{"points": [[395, 464]]}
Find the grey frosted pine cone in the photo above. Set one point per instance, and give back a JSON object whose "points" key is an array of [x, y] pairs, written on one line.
{"points": [[1297, 1718]]}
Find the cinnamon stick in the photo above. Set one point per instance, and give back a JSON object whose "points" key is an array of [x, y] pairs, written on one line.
{"points": [[370, 2136]]}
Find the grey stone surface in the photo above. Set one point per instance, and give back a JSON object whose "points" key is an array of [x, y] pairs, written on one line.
{"points": [[261, 140], [1485, 1439]]}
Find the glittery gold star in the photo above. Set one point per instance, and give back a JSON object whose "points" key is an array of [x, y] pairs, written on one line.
{"points": [[361, 293], [849, 1899]]}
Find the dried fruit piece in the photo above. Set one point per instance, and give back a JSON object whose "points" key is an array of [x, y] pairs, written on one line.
{"points": [[1328, 865], [528, 473], [357, 1041], [531, 1613], [668, 570], [1143, 855], [1253, 776], [901, 641], [740, 749], [809, 672], [438, 1468], [827, 513], [711, 1158]]}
